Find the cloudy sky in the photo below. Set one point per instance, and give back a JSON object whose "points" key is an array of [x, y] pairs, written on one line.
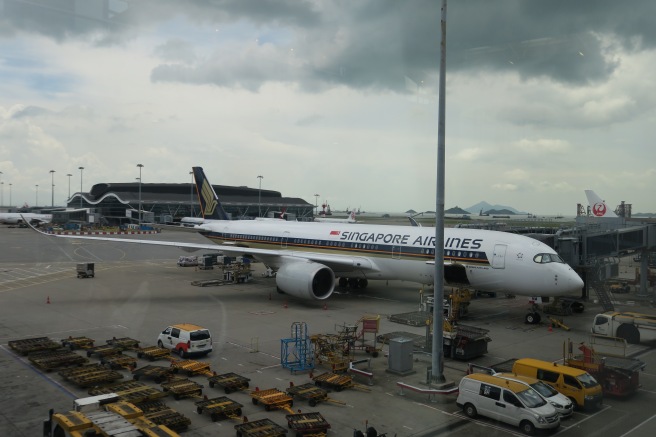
{"points": [[545, 98]]}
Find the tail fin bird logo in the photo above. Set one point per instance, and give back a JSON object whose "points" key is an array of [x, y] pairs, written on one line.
{"points": [[208, 197], [599, 209]]}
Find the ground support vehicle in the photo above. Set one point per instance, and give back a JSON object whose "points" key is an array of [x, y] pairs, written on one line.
{"points": [[188, 261], [312, 393], [337, 382], [182, 388], [130, 391], [52, 360], [77, 343], [577, 384], [161, 414], [30, 345], [102, 419], [153, 353], [507, 401], [158, 374], [461, 342], [273, 399], [90, 375], [85, 270], [191, 367], [633, 327], [260, 428], [124, 343], [117, 362], [104, 350], [219, 408], [308, 424], [229, 381], [618, 376]]}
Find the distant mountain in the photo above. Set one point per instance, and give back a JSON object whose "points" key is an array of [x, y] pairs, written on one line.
{"points": [[456, 210], [493, 209]]}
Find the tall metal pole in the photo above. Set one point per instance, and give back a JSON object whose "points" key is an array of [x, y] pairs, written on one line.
{"points": [[81, 170], [69, 184], [437, 361], [37, 195], [52, 188], [140, 167], [10, 184], [259, 198], [2, 193], [316, 204]]}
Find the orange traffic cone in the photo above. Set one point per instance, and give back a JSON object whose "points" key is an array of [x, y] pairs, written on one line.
{"points": [[550, 329], [285, 305], [48, 300], [325, 306]]}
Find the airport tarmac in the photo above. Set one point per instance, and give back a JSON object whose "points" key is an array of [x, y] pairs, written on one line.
{"points": [[139, 290]]}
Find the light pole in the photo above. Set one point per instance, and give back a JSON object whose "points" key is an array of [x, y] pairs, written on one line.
{"points": [[81, 171], [191, 195], [2, 193], [259, 198], [37, 195], [10, 184], [52, 183], [140, 167], [316, 203], [69, 184]]}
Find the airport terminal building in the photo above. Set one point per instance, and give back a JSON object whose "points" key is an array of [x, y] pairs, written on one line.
{"points": [[118, 203]]}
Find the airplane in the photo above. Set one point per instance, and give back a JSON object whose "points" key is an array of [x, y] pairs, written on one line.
{"points": [[14, 218], [350, 219], [598, 207], [308, 257]]}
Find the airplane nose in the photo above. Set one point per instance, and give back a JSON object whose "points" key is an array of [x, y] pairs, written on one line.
{"points": [[574, 281]]}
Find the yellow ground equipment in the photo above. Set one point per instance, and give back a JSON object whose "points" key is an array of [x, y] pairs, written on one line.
{"points": [[102, 416]]}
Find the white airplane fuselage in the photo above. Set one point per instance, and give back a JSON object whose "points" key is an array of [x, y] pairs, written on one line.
{"points": [[481, 259], [13, 218]]}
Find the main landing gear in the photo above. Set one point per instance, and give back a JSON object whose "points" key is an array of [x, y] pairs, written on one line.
{"points": [[353, 283]]}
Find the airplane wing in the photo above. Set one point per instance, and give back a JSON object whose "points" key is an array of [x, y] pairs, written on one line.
{"points": [[270, 257]]}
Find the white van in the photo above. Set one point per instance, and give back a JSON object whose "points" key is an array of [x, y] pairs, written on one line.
{"points": [[186, 339], [507, 401], [560, 402]]}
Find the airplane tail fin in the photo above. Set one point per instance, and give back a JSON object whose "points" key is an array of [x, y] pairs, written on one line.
{"points": [[209, 202], [598, 207], [351, 217]]}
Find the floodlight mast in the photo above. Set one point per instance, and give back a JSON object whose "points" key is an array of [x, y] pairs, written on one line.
{"points": [[437, 357]]}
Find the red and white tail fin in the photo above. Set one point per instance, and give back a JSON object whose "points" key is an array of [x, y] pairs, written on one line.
{"points": [[598, 207], [351, 218]]}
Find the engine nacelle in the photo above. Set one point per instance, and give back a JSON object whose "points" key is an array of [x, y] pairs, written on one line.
{"points": [[307, 280]]}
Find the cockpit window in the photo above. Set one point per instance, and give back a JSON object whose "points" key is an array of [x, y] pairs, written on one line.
{"points": [[544, 258]]}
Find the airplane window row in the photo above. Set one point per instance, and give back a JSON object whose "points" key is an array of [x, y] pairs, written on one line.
{"points": [[544, 258], [460, 254]]}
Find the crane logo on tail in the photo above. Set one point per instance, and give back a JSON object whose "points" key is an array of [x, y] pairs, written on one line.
{"points": [[599, 209], [208, 197]]}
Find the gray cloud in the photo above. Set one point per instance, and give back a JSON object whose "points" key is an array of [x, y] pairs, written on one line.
{"points": [[365, 44]]}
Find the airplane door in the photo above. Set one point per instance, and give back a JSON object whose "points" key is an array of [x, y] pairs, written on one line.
{"points": [[499, 256], [285, 238]]}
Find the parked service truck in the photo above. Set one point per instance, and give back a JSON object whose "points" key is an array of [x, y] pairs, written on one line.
{"points": [[633, 327]]}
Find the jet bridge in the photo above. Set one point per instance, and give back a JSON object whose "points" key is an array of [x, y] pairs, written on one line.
{"points": [[594, 247]]}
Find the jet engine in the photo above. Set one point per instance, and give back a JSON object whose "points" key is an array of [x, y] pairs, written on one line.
{"points": [[307, 280]]}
